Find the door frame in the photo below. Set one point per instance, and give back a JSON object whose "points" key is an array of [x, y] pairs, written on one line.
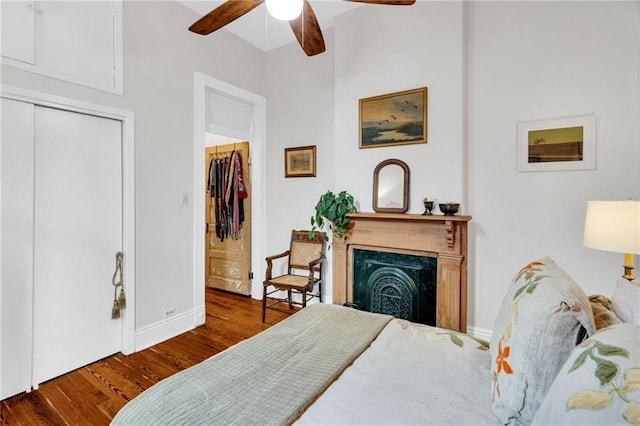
{"points": [[128, 187], [256, 138]]}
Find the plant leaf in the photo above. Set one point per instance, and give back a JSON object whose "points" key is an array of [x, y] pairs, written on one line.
{"points": [[631, 380], [456, 340], [610, 350], [332, 210], [520, 290], [589, 400], [606, 370], [631, 412], [579, 362], [507, 332]]}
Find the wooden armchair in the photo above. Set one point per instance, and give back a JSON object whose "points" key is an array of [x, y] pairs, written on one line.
{"points": [[304, 273]]}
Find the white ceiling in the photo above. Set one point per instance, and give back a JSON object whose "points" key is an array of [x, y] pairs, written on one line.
{"points": [[263, 31]]}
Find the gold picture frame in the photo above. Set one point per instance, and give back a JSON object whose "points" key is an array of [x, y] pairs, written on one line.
{"points": [[398, 118], [557, 144], [300, 161]]}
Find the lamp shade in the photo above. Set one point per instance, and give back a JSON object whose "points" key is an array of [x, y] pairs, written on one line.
{"points": [[613, 226]]}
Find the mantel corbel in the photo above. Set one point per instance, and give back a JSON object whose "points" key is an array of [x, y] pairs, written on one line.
{"points": [[451, 230]]}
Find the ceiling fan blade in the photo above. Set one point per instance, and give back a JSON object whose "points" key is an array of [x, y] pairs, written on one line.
{"points": [[390, 2], [307, 31], [227, 12]]}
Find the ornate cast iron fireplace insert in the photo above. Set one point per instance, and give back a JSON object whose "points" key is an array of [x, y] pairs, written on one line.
{"points": [[398, 284]]}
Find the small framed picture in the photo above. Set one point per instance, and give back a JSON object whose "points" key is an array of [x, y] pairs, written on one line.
{"points": [[398, 118], [557, 144], [300, 161]]}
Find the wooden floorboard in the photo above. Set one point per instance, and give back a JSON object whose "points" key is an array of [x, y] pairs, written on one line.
{"points": [[93, 394]]}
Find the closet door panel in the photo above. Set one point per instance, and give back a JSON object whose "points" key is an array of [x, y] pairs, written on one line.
{"points": [[78, 230], [17, 247], [76, 39], [17, 30]]}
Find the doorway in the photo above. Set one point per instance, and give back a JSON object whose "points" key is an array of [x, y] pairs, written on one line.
{"points": [[248, 109]]}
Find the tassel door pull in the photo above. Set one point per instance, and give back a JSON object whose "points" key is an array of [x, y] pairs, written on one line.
{"points": [[119, 302]]}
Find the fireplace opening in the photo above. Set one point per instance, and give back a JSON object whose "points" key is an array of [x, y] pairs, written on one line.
{"points": [[398, 284]]}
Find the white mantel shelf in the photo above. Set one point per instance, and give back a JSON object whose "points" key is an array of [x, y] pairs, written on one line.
{"points": [[442, 237]]}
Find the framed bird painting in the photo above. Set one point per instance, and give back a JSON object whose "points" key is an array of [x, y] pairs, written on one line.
{"points": [[398, 118]]}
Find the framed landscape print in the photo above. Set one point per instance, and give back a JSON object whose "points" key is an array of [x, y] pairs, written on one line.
{"points": [[300, 161], [398, 118], [557, 144]]}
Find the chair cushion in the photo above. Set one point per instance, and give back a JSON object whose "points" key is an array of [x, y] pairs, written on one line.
{"points": [[543, 316], [290, 281]]}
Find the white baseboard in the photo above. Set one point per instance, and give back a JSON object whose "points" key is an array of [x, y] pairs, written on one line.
{"points": [[480, 333], [201, 316], [164, 330]]}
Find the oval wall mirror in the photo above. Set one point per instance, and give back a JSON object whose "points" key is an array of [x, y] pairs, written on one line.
{"points": [[391, 187]]}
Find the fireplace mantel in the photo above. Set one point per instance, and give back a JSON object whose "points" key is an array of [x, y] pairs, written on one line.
{"points": [[442, 237]]}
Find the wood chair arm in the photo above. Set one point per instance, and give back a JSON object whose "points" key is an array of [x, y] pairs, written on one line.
{"points": [[270, 260], [316, 262], [312, 266]]}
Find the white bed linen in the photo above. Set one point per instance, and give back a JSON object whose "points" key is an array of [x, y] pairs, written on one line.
{"points": [[411, 374]]}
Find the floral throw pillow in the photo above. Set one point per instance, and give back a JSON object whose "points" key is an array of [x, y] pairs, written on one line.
{"points": [[543, 316], [600, 382]]}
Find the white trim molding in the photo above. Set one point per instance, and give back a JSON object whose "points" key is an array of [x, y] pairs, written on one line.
{"points": [[480, 333], [256, 138], [164, 330]]}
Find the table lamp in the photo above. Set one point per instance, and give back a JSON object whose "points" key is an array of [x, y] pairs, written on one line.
{"points": [[614, 226]]}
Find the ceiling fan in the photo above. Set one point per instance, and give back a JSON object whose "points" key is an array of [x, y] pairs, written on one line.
{"points": [[304, 24]]}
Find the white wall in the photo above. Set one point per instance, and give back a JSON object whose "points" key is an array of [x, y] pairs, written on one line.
{"points": [[384, 49], [160, 56], [488, 65], [300, 105], [532, 61]]}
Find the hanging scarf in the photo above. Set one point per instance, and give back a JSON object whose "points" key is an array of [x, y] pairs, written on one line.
{"points": [[225, 184], [241, 192]]}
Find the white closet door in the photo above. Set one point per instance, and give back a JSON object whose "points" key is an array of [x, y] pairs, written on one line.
{"points": [[78, 230], [17, 247]]}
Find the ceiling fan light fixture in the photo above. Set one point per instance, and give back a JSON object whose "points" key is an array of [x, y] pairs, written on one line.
{"points": [[284, 10]]}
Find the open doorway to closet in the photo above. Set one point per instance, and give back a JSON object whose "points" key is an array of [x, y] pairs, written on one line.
{"points": [[239, 115], [228, 217]]}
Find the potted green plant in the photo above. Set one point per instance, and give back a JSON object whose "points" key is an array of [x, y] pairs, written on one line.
{"points": [[333, 210]]}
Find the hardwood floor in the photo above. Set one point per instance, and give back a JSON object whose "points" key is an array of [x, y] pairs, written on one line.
{"points": [[92, 395]]}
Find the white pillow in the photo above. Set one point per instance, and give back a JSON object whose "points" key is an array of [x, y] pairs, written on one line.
{"points": [[543, 316], [599, 383], [625, 301]]}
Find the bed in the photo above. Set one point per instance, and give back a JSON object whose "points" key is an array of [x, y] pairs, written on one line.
{"points": [[329, 364]]}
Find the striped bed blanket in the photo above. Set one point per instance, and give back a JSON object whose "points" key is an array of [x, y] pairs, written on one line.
{"points": [[270, 378]]}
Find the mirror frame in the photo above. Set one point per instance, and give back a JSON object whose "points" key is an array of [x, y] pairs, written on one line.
{"points": [[405, 188]]}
